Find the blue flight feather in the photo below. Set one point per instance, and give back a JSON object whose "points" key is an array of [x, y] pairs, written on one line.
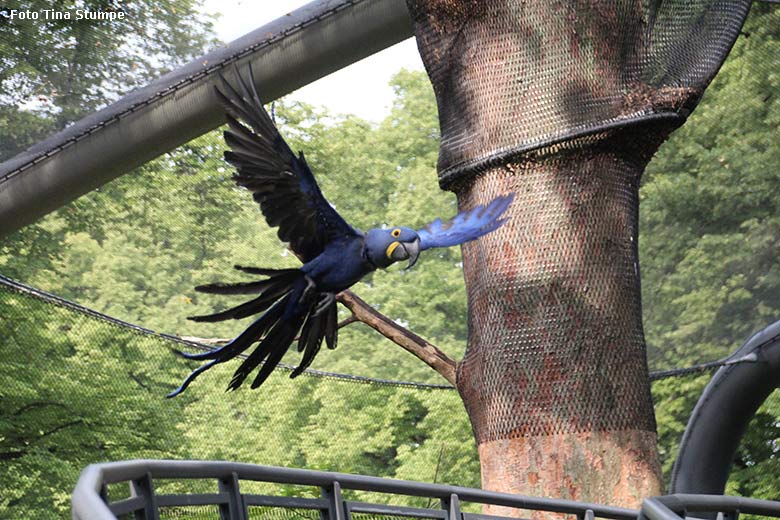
{"points": [[466, 226]]}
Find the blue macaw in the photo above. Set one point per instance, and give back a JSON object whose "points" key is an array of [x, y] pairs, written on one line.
{"points": [[301, 302]]}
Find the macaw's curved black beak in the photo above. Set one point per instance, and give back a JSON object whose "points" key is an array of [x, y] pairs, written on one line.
{"points": [[407, 251]]}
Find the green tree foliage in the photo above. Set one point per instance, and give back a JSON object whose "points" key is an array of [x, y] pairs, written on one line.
{"points": [[710, 215], [710, 240], [135, 249], [74, 391], [77, 389], [55, 71], [71, 67]]}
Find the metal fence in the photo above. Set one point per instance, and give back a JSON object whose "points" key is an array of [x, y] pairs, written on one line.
{"points": [[90, 498], [328, 499]]}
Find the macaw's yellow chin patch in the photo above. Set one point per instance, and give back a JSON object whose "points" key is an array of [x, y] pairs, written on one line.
{"points": [[391, 248]]}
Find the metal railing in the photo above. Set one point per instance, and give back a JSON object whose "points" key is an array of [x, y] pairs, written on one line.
{"points": [[91, 497], [676, 507]]}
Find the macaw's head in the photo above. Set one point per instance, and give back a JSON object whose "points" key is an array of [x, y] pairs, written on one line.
{"points": [[385, 246]]}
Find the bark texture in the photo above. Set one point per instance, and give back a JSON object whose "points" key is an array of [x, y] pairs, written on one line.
{"points": [[608, 467]]}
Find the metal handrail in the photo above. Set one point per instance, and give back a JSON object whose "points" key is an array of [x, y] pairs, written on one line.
{"points": [[90, 497], [89, 500]]}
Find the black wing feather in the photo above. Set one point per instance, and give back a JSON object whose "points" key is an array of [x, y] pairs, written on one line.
{"points": [[311, 340], [331, 327], [266, 271], [280, 182]]}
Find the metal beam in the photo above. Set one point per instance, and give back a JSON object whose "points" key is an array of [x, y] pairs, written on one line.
{"points": [[295, 50]]}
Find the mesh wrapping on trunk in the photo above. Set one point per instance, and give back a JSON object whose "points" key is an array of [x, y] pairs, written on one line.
{"points": [[545, 99], [555, 332], [514, 75]]}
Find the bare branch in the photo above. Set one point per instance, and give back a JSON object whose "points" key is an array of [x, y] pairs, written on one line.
{"points": [[60, 427], [17, 454], [348, 321], [364, 313], [404, 338], [37, 404]]}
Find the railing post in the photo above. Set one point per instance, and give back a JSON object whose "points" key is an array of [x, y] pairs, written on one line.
{"points": [[452, 506], [335, 510], [235, 509], [144, 488]]}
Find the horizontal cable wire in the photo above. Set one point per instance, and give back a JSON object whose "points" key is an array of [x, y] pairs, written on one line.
{"points": [[47, 297], [81, 309]]}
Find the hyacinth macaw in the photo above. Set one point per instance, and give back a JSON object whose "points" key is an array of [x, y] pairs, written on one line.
{"points": [[301, 302]]}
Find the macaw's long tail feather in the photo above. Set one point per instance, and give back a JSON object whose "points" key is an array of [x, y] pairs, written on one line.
{"points": [[190, 378], [271, 350], [277, 285], [296, 308], [279, 290], [319, 325], [309, 342], [239, 288], [332, 327], [256, 330], [264, 271]]}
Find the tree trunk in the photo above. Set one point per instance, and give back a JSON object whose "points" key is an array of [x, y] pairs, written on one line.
{"points": [[563, 103], [555, 377]]}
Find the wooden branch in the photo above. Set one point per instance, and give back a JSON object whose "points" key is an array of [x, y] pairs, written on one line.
{"points": [[17, 454], [404, 338], [37, 404], [364, 313]]}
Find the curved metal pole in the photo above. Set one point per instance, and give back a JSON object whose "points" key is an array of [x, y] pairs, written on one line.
{"points": [[295, 50], [723, 412]]}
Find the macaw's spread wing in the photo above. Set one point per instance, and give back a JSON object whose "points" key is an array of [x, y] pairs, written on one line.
{"points": [[280, 182], [466, 226]]}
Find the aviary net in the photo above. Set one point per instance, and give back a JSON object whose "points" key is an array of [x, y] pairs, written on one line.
{"points": [[86, 384]]}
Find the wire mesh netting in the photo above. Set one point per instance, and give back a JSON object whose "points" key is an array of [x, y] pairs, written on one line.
{"points": [[77, 387], [546, 72], [275, 513], [574, 363], [208, 512], [101, 398]]}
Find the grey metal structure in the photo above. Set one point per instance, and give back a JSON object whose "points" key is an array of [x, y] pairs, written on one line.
{"points": [[90, 501], [290, 52], [309, 43], [88, 498], [723, 412], [675, 507]]}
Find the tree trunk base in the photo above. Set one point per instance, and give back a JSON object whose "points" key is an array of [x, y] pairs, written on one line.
{"points": [[613, 466]]}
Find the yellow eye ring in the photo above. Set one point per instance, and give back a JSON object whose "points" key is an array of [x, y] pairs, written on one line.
{"points": [[396, 232]]}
